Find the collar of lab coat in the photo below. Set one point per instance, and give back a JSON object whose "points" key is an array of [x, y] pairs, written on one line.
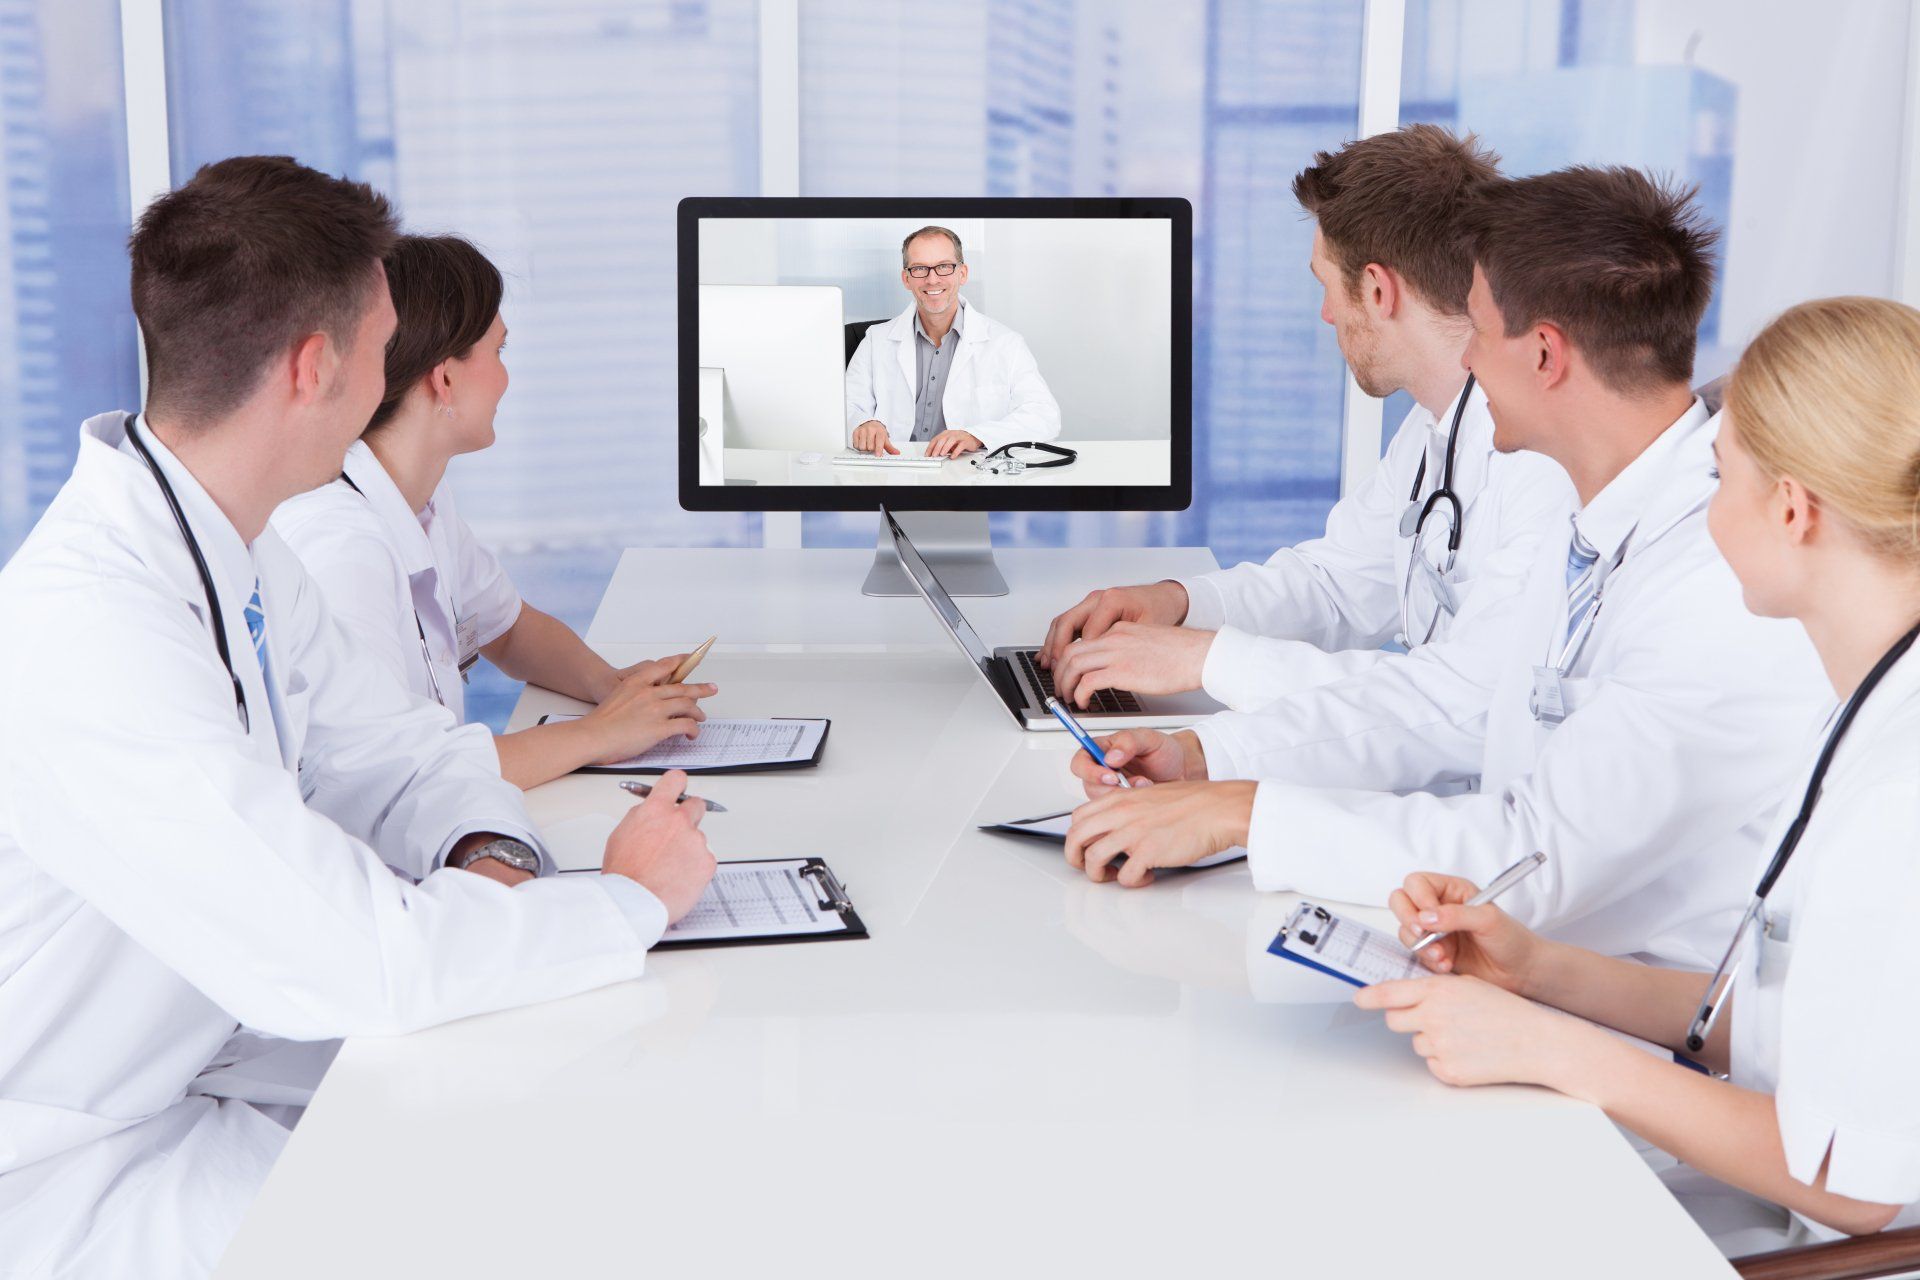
{"points": [[404, 529], [107, 459], [1654, 490]]}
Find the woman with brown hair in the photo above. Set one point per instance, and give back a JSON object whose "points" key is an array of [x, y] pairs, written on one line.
{"points": [[405, 575]]}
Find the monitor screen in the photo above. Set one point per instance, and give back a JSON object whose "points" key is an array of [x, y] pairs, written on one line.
{"points": [[942, 355]]}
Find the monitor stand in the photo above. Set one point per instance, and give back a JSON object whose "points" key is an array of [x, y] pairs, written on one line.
{"points": [[955, 545]]}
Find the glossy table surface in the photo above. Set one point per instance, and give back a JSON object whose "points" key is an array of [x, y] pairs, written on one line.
{"points": [[1099, 462], [1019, 1073]]}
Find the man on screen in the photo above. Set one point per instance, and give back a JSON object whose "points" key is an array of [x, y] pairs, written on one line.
{"points": [[941, 372]]}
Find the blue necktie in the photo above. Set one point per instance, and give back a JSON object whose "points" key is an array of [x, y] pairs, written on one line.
{"points": [[1583, 582], [256, 615]]}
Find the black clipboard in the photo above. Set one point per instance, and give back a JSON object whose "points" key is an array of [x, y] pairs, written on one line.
{"points": [[831, 896], [1016, 827], [645, 770]]}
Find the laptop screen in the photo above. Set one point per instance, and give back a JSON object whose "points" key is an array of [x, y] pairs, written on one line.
{"points": [[943, 606]]}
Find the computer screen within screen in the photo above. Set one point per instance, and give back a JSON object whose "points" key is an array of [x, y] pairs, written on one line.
{"points": [[850, 351]]}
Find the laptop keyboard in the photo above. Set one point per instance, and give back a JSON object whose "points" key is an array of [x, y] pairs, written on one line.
{"points": [[1109, 701]]}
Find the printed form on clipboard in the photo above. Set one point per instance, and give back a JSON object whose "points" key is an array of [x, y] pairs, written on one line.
{"points": [[764, 901], [1345, 949], [737, 746]]}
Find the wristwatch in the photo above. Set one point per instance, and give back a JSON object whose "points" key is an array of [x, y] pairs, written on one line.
{"points": [[515, 853]]}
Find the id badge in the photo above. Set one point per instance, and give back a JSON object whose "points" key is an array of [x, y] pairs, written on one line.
{"points": [[1776, 950], [467, 636], [1549, 702]]}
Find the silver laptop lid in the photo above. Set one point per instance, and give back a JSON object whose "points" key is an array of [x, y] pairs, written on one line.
{"points": [[942, 604]]}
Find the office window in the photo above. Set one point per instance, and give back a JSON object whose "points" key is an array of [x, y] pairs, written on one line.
{"points": [[1787, 116], [1220, 103], [559, 138], [67, 339]]}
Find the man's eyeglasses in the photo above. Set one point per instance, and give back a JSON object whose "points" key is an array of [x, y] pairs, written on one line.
{"points": [[938, 269]]}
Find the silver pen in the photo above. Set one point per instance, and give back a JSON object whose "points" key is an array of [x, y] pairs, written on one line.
{"points": [[1512, 876], [646, 789]]}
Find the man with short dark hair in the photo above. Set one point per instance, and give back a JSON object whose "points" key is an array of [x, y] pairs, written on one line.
{"points": [[224, 841], [941, 372], [1642, 728], [1428, 547]]}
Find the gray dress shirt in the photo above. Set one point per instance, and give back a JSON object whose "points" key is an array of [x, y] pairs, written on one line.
{"points": [[932, 364]]}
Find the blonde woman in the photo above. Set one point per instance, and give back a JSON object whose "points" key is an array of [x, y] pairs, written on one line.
{"points": [[1817, 1123]]}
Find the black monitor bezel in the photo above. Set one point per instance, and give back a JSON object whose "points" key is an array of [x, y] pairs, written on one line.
{"points": [[1177, 495]]}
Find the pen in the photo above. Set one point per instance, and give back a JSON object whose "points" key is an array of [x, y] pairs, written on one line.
{"points": [[1512, 876], [688, 663], [646, 789], [1065, 717]]}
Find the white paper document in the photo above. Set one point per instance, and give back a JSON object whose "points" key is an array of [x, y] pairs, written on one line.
{"points": [[757, 900], [1053, 826], [726, 744], [1346, 949]]}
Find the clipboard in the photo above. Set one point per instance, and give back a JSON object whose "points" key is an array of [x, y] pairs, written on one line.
{"points": [[1345, 949], [1052, 828], [628, 768], [762, 902]]}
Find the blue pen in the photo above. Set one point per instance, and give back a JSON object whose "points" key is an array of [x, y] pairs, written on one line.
{"points": [[1065, 717]]}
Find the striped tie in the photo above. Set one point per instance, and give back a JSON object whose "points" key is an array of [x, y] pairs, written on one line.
{"points": [[256, 615], [1582, 581]]}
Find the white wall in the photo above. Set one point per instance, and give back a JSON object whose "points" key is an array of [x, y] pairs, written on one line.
{"points": [[1091, 297], [1816, 201]]}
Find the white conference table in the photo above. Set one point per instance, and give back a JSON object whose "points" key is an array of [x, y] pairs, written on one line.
{"points": [[1019, 1073], [1101, 462]]}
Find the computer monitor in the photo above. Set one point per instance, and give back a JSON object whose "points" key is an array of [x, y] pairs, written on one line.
{"points": [[824, 346]]}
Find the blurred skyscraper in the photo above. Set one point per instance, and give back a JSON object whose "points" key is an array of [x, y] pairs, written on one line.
{"points": [[66, 328]]}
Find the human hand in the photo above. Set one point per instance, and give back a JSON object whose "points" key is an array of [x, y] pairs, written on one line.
{"points": [[1471, 1032], [1139, 657], [1144, 755], [659, 846], [872, 437], [1483, 942], [652, 671], [1174, 824], [1164, 603], [951, 444], [639, 714]]}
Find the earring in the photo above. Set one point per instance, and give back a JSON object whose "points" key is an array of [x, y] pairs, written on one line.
{"points": [[446, 411]]}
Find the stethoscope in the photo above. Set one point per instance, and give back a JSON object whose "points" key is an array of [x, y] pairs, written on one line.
{"points": [[426, 654], [1722, 981], [1413, 523], [200, 564], [1004, 462]]}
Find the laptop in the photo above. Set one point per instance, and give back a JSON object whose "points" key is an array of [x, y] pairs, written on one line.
{"points": [[1014, 674]]}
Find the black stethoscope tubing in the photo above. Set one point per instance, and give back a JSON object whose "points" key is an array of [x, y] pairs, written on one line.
{"points": [[1714, 1000], [1443, 492], [1791, 840], [200, 565]]}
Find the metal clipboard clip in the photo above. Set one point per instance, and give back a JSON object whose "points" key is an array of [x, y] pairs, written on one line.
{"points": [[1309, 924], [833, 895]]}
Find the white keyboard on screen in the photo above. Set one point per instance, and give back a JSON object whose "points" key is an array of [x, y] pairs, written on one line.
{"points": [[899, 464]]}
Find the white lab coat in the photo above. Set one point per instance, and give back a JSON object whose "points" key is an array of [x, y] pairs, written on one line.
{"points": [[1820, 1010], [1686, 712], [994, 388], [380, 565], [182, 900], [1320, 611]]}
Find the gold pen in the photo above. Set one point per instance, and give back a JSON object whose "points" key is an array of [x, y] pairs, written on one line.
{"points": [[692, 660]]}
